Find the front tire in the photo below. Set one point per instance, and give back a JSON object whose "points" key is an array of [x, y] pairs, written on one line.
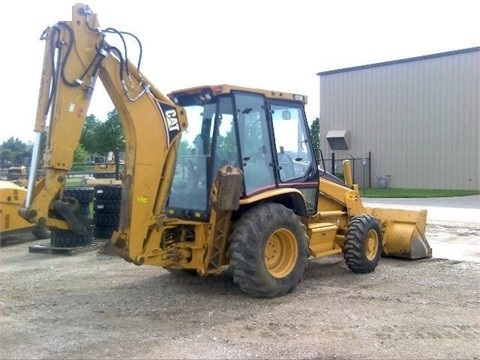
{"points": [[268, 251], [363, 244]]}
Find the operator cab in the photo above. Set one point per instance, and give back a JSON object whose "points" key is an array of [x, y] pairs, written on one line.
{"points": [[263, 133]]}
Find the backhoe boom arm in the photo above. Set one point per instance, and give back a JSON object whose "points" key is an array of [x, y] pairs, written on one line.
{"points": [[76, 54]]}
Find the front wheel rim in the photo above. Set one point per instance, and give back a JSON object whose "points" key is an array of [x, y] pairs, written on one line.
{"points": [[371, 245]]}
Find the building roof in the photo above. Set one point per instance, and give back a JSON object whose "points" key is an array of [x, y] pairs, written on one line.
{"points": [[393, 62]]}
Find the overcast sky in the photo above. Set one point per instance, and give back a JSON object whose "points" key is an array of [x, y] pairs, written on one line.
{"points": [[277, 44]]}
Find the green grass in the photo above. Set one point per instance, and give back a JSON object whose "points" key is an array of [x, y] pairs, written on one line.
{"points": [[414, 193], [73, 182], [375, 192]]}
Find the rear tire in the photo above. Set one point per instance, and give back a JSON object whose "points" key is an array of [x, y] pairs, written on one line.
{"points": [[268, 251], [363, 244]]}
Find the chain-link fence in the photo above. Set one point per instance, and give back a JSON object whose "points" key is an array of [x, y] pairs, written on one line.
{"points": [[361, 169]]}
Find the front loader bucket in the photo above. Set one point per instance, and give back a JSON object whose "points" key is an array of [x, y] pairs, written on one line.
{"points": [[403, 233]]}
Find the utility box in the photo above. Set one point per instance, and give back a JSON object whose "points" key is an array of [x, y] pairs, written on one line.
{"points": [[338, 139]]}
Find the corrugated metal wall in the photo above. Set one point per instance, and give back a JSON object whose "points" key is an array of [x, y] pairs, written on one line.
{"points": [[419, 118]]}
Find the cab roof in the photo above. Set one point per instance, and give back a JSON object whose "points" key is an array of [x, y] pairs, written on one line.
{"points": [[215, 90]]}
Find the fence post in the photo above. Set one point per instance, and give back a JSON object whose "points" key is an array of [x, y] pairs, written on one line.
{"points": [[333, 163], [370, 169]]}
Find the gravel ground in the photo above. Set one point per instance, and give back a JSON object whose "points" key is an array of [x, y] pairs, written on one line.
{"points": [[96, 306]]}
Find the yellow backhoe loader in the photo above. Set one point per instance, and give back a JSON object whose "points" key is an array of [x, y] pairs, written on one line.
{"points": [[12, 197], [109, 167], [214, 176]]}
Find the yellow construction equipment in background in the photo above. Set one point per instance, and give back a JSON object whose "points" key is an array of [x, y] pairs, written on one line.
{"points": [[11, 198], [241, 188]]}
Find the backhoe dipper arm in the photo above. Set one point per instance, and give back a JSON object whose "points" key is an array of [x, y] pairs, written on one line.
{"points": [[151, 122]]}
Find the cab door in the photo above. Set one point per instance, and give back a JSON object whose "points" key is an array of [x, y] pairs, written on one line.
{"points": [[255, 143], [294, 151]]}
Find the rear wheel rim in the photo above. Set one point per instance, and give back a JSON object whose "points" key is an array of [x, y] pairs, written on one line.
{"points": [[371, 245], [281, 253]]}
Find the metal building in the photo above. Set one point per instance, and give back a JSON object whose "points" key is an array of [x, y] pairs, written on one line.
{"points": [[417, 120]]}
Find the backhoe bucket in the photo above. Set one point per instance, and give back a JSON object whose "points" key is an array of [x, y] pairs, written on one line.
{"points": [[403, 233]]}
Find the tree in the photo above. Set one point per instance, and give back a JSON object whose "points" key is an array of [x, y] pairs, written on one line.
{"points": [[14, 151], [6, 155], [102, 137], [79, 157], [184, 149], [110, 134], [43, 141], [315, 134], [88, 138], [227, 145]]}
